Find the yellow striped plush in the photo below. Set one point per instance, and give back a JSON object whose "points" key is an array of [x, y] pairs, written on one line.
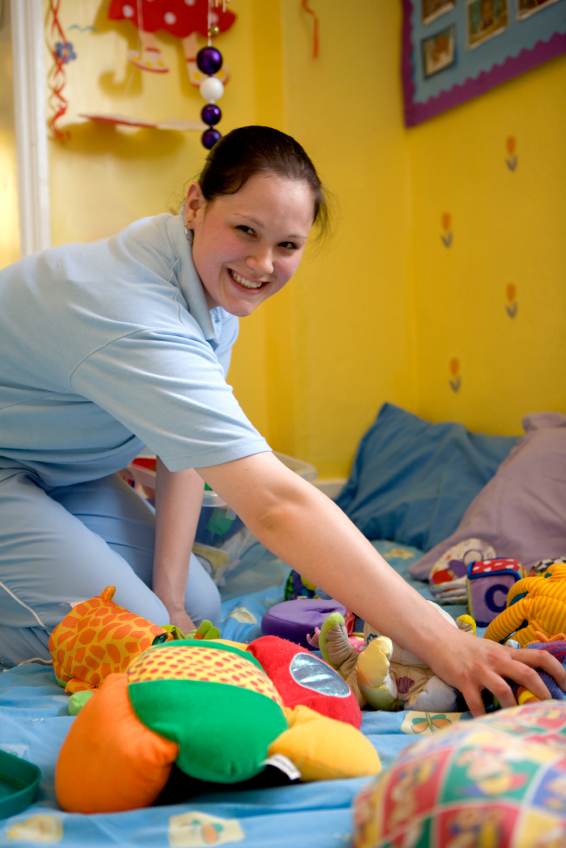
{"points": [[534, 604]]}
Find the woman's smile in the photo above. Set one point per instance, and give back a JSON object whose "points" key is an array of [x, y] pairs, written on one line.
{"points": [[248, 245], [245, 281]]}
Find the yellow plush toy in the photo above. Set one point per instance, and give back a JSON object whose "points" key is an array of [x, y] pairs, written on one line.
{"points": [[535, 605], [384, 675]]}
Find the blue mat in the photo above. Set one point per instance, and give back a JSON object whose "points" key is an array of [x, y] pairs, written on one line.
{"points": [[34, 721]]}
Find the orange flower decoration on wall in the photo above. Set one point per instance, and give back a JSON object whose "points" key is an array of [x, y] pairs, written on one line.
{"points": [[456, 380], [511, 306], [511, 146], [446, 222]]}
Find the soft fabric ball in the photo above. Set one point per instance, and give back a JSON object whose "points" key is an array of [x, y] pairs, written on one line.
{"points": [[214, 700]]}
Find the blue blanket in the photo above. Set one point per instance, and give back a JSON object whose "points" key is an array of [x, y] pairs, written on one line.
{"points": [[34, 721]]}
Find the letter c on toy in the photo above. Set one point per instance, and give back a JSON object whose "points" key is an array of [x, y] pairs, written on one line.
{"points": [[490, 597]]}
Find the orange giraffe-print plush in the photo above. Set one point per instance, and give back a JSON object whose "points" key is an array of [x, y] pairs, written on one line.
{"points": [[96, 638]]}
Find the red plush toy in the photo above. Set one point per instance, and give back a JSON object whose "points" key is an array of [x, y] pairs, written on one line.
{"points": [[302, 678]]}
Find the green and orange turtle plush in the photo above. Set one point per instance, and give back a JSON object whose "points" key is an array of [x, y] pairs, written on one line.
{"points": [[216, 709]]}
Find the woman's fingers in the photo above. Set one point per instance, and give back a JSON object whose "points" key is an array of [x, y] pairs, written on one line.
{"points": [[474, 701], [477, 664], [533, 659], [519, 666]]}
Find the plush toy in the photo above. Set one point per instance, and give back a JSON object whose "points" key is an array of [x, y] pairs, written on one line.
{"points": [[384, 675], [447, 579], [535, 605], [98, 637], [499, 780], [211, 708], [556, 647], [145, 698]]}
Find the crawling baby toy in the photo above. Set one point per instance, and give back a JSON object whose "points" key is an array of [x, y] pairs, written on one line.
{"points": [[384, 675]]}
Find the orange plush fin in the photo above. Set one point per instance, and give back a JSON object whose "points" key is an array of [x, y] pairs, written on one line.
{"points": [[110, 761]]}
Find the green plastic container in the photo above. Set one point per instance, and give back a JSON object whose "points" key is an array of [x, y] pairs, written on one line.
{"points": [[19, 782]]}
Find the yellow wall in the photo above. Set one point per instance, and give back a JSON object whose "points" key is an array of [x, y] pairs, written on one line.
{"points": [[509, 229], [340, 337], [378, 312]]}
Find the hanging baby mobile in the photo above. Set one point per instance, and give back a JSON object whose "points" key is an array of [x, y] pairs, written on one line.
{"points": [[182, 19], [186, 20]]}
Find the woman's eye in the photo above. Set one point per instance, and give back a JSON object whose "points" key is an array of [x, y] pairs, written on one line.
{"points": [[289, 245], [245, 229]]}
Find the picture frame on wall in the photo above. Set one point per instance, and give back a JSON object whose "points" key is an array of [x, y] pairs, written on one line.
{"points": [[455, 50], [433, 9], [526, 8], [439, 51], [485, 19]]}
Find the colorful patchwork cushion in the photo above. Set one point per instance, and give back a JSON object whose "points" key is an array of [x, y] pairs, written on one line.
{"points": [[499, 781]]}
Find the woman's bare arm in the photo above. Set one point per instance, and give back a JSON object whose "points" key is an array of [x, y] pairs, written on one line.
{"points": [[309, 532], [178, 500]]}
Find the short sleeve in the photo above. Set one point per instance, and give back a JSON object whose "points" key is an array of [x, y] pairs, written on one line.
{"points": [[227, 337], [169, 390]]}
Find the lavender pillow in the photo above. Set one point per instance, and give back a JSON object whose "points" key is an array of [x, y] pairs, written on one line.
{"points": [[522, 510]]}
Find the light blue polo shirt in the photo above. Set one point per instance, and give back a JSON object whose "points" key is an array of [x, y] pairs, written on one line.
{"points": [[109, 346]]}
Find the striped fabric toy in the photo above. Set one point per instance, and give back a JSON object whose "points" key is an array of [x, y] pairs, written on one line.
{"points": [[535, 606]]}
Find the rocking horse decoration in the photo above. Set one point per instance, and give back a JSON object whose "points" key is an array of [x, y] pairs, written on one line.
{"points": [[180, 18]]}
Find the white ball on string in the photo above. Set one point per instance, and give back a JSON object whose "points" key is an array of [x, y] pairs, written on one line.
{"points": [[211, 89]]}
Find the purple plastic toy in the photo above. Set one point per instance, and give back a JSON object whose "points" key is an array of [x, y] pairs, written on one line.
{"points": [[295, 620]]}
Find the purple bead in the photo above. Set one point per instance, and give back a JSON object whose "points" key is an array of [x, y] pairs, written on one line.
{"points": [[210, 114], [209, 60], [209, 138]]}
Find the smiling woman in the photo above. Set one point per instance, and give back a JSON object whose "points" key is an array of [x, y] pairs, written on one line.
{"points": [[110, 346], [249, 216], [248, 245]]}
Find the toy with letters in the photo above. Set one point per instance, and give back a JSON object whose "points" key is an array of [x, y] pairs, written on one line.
{"points": [[488, 582]]}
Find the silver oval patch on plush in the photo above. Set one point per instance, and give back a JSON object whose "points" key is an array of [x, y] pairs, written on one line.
{"points": [[312, 673]]}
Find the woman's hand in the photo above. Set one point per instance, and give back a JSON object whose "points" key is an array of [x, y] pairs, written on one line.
{"points": [[471, 665], [181, 620]]}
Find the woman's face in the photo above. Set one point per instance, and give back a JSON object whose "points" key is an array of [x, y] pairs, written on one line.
{"points": [[247, 245]]}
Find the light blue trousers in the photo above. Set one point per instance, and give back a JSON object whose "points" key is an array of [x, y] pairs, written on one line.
{"points": [[67, 546]]}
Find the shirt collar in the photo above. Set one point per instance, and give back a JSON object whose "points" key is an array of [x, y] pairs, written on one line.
{"points": [[189, 281]]}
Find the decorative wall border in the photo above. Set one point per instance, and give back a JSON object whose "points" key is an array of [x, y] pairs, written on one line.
{"points": [[501, 71]]}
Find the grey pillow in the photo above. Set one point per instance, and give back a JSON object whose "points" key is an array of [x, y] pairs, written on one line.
{"points": [[522, 510]]}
